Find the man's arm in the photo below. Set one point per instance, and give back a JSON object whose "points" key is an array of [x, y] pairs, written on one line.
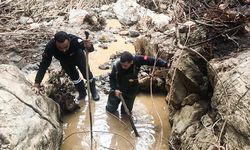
{"points": [[46, 61], [114, 81], [146, 60], [84, 44], [113, 78]]}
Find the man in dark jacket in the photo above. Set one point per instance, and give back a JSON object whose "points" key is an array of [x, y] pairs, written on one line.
{"points": [[124, 80], [68, 49]]}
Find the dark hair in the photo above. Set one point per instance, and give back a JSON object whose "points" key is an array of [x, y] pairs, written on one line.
{"points": [[126, 57], [61, 36]]}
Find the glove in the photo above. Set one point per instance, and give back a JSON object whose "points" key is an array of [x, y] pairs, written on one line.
{"points": [[88, 45]]}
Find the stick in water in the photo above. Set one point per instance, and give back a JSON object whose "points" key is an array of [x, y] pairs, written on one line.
{"points": [[88, 86], [129, 116]]}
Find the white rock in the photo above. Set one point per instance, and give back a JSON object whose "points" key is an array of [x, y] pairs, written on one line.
{"points": [[127, 11], [27, 121], [76, 16], [25, 20], [34, 26], [105, 7]]}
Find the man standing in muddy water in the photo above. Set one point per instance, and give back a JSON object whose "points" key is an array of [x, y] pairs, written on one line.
{"points": [[124, 79], [68, 49]]}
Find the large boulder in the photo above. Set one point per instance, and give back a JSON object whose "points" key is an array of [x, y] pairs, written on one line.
{"points": [[223, 122], [27, 121], [231, 97], [189, 79], [129, 12]]}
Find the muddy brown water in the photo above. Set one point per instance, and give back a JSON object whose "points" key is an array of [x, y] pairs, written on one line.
{"points": [[113, 131]]}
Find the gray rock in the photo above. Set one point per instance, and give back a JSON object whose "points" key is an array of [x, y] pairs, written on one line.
{"points": [[127, 11], [25, 20], [105, 7], [107, 15], [232, 98], [29, 68], [27, 121], [184, 118], [76, 16], [190, 99], [133, 33], [105, 66], [103, 46]]}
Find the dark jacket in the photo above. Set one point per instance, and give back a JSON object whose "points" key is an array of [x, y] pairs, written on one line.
{"points": [[118, 74], [76, 45]]}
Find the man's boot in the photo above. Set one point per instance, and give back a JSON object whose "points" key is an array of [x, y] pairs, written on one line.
{"points": [[82, 91], [93, 90]]}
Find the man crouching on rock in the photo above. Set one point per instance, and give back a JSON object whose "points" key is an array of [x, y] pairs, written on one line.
{"points": [[124, 79], [68, 49]]}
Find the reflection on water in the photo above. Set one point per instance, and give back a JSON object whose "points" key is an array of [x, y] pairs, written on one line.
{"points": [[114, 131]]}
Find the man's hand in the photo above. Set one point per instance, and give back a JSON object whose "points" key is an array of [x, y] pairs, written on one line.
{"points": [[88, 45], [38, 89], [118, 93]]}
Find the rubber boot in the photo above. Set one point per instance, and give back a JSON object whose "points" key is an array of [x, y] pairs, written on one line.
{"points": [[93, 90], [82, 91]]}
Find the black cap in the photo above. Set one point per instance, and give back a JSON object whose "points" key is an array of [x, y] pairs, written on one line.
{"points": [[61, 36]]}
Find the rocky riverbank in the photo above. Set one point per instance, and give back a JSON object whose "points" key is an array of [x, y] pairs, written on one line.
{"points": [[206, 43]]}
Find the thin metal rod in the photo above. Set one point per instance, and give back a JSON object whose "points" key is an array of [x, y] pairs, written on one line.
{"points": [[88, 89], [129, 116]]}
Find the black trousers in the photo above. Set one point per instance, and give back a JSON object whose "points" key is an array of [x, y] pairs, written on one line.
{"points": [[128, 94], [79, 61]]}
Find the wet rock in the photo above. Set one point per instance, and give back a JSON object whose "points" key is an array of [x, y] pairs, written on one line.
{"points": [[104, 83], [114, 30], [105, 66], [124, 33], [129, 40], [134, 33], [25, 116], [105, 37], [103, 46]]}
